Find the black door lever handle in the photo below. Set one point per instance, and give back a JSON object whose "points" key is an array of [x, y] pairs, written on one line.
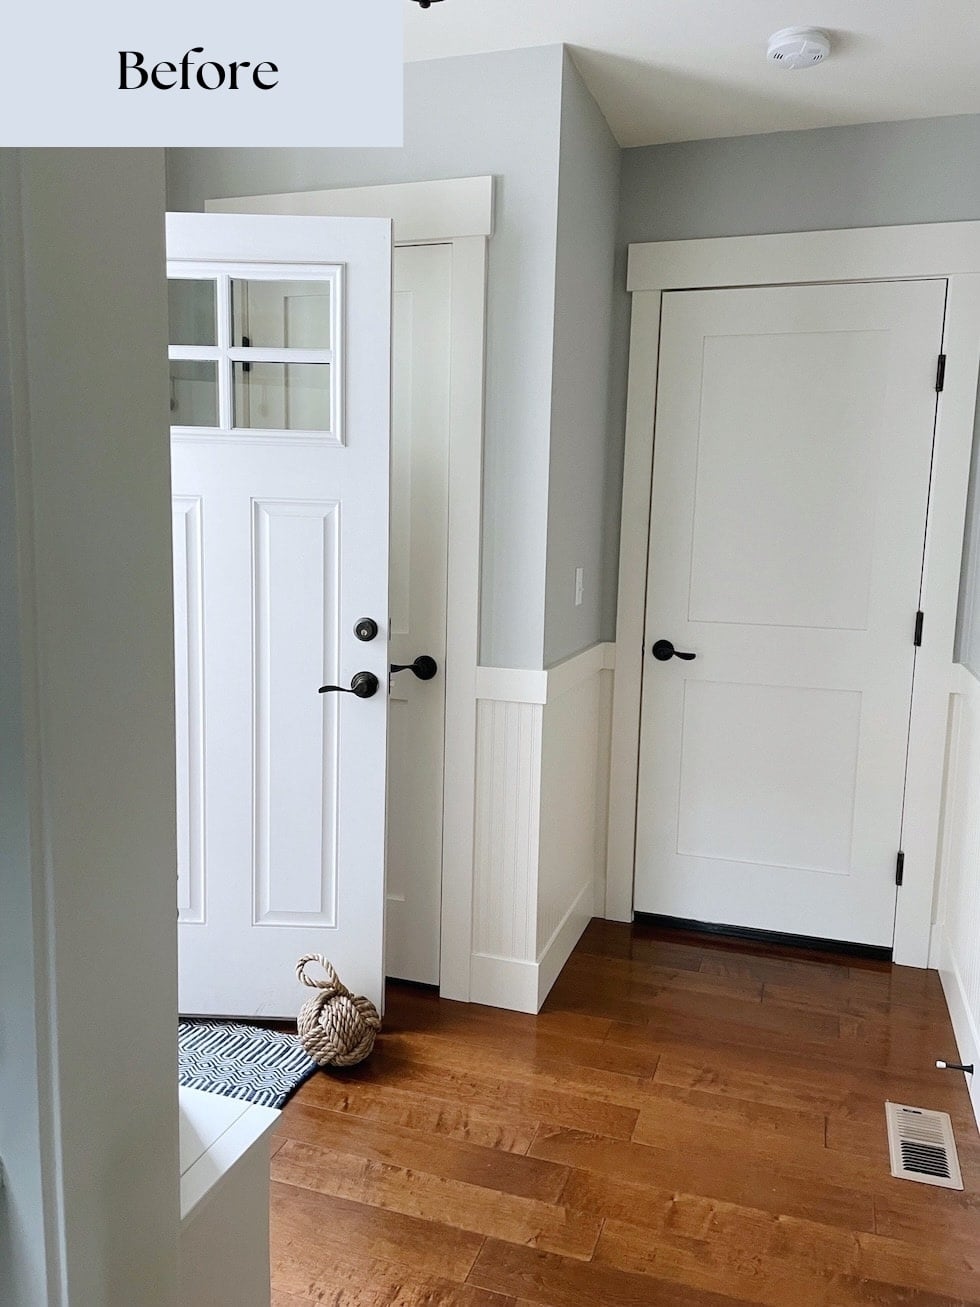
{"points": [[663, 651], [424, 667], [363, 684]]}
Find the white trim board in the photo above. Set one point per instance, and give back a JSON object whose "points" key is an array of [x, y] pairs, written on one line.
{"points": [[940, 249], [965, 1029], [459, 213], [948, 250], [518, 685], [955, 951], [423, 212]]}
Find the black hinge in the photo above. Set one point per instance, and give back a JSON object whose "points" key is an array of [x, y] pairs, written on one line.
{"points": [[900, 868], [941, 372], [920, 617], [246, 343]]}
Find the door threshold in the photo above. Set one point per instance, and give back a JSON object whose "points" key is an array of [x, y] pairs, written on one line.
{"points": [[846, 948]]}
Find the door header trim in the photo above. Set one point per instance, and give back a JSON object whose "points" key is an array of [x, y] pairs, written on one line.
{"points": [[424, 213], [938, 249]]}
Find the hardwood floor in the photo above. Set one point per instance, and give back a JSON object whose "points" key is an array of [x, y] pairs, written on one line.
{"points": [[688, 1122]]}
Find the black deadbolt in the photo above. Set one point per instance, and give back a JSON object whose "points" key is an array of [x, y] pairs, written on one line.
{"points": [[365, 628]]}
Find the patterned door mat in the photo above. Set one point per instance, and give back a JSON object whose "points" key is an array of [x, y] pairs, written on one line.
{"points": [[241, 1061]]}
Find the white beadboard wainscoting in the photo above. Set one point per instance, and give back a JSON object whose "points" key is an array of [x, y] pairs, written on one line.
{"points": [[542, 783], [956, 934]]}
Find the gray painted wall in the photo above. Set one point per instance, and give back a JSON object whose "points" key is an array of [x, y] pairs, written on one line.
{"points": [[872, 175], [500, 114], [588, 201]]}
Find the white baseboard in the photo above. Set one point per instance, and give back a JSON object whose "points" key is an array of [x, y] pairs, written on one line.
{"points": [[965, 1028], [524, 986], [504, 982], [559, 948]]}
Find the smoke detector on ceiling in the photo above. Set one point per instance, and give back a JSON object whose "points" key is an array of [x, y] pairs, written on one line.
{"points": [[798, 47]]}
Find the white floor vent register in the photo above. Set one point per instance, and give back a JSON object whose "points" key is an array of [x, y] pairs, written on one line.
{"points": [[922, 1146]]}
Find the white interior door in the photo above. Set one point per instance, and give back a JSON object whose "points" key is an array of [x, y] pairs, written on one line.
{"points": [[793, 445], [419, 547], [280, 456]]}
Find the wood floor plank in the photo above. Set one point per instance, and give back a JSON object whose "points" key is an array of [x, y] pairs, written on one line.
{"points": [[786, 1079], [609, 940], [899, 986], [856, 996], [638, 978], [452, 1115], [760, 965], [387, 1287], [412, 1150], [938, 1219], [673, 1032], [730, 1241], [672, 1114], [526, 1221], [544, 1278], [311, 1231], [460, 1078], [542, 1042], [374, 1283], [713, 1173], [467, 1067], [778, 1262], [416, 1011], [622, 978]]}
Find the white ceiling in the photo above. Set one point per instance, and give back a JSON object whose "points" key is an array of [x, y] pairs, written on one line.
{"points": [[679, 70]]}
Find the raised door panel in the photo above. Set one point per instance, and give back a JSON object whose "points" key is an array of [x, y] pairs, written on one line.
{"points": [[295, 606], [189, 684]]}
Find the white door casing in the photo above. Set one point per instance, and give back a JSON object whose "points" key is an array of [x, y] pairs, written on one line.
{"points": [[946, 250], [281, 545], [790, 485], [419, 545]]}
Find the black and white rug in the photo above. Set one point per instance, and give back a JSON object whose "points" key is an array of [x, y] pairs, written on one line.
{"points": [[248, 1062]]}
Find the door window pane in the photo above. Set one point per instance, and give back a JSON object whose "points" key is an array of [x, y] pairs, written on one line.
{"points": [[281, 314], [192, 312], [283, 396], [193, 393]]}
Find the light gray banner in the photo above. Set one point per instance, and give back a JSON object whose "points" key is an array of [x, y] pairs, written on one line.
{"points": [[203, 72]]}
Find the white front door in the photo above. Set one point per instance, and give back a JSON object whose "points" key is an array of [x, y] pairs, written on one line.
{"points": [[419, 552], [280, 456], [793, 445]]}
